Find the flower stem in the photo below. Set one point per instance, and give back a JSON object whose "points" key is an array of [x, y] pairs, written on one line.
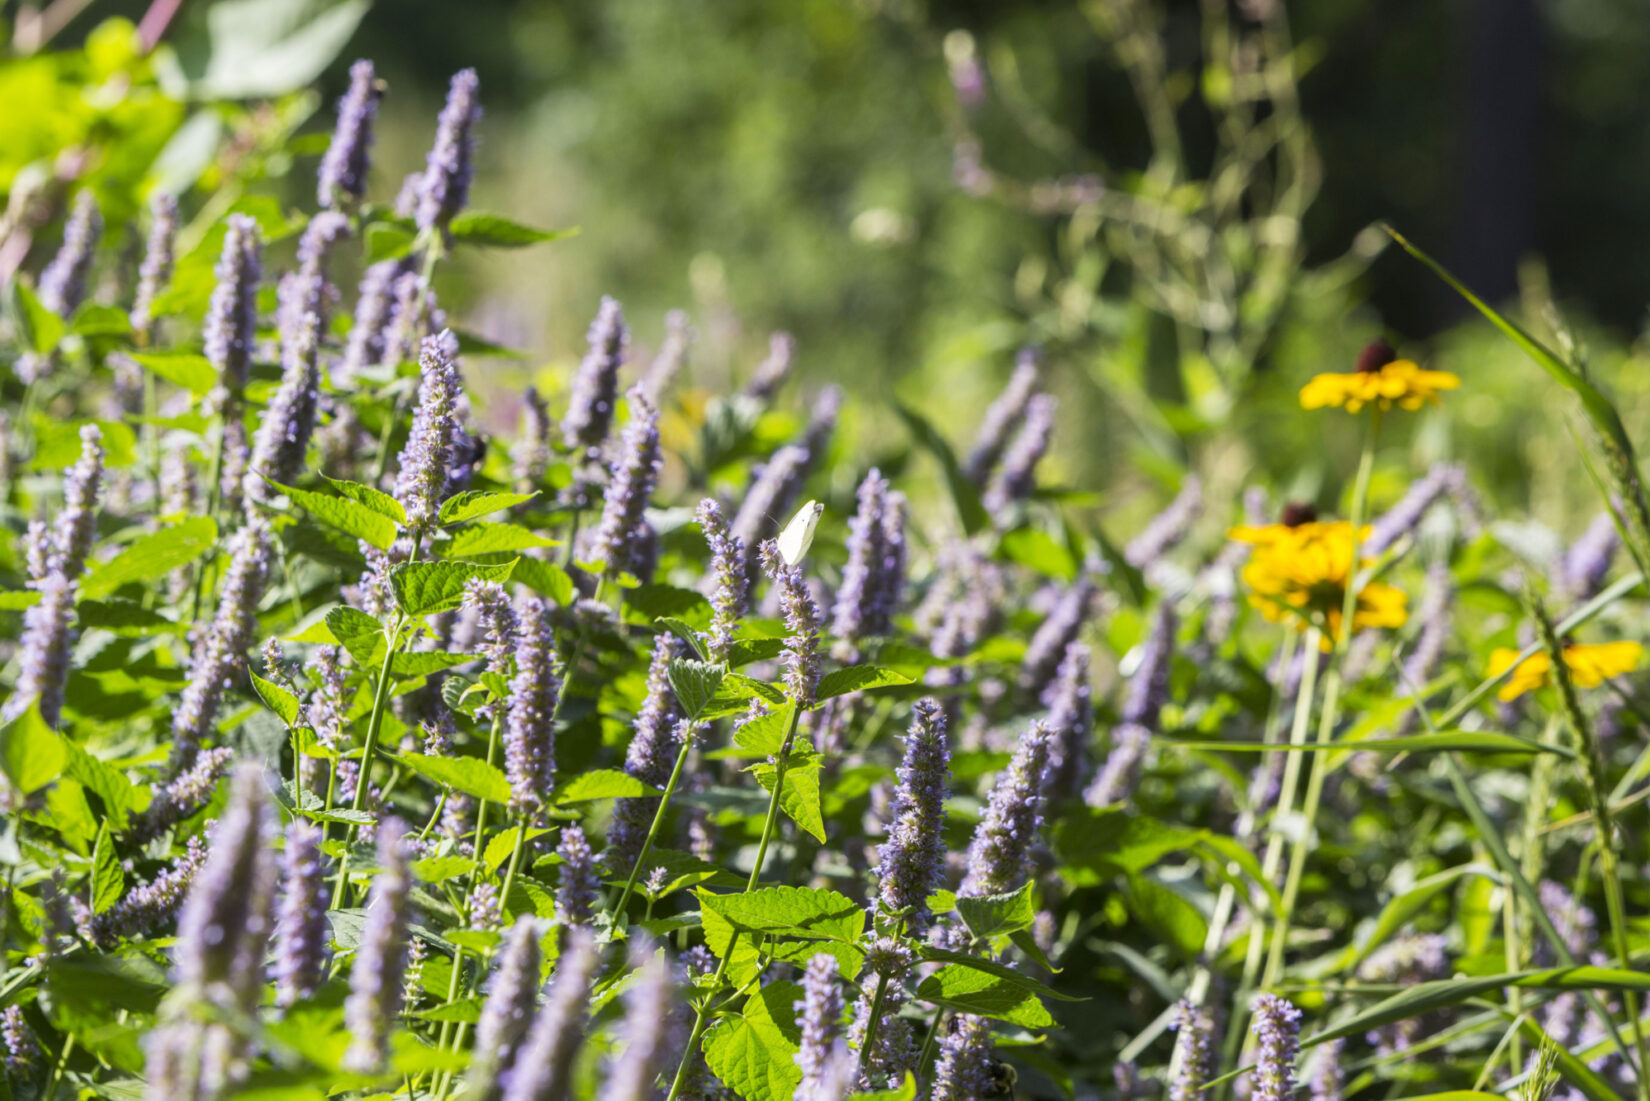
{"points": [[374, 725], [658, 820], [875, 1016]]}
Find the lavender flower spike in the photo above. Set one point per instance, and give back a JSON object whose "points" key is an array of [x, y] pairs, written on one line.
{"points": [[544, 1069], [530, 457], [731, 583], [1277, 1025], [445, 186], [342, 180], [1148, 691], [802, 620], [909, 864], [425, 460], [1003, 839], [226, 921], [820, 1016], [495, 623], [596, 386], [580, 885], [1071, 717], [301, 929], [232, 316], [1326, 1082], [508, 1011], [1018, 475], [144, 908], [155, 271], [650, 758], [770, 497], [222, 646], [43, 657], [865, 603], [22, 1053], [643, 1043], [289, 420], [1403, 517], [672, 355], [1587, 562], [76, 528], [375, 993], [183, 796], [1062, 626], [1168, 528], [374, 304], [1193, 1052], [1003, 414], [622, 536], [961, 1072], [62, 284], [529, 735], [772, 372]]}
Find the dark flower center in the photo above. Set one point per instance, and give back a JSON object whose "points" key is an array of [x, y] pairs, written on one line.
{"points": [[1376, 354], [1296, 513]]}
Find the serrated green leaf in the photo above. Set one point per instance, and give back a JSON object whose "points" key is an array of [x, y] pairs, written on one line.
{"points": [[388, 241], [997, 969], [105, 781], [736, 691], [477, 227], [694, 683], [125, 617], [685, 633], [484, 538], [421, 663], [755, 1053], [57, 443], [437, 869], [100, 319], [747, 650], [152, 556], [361, 636], [31, 753], [277, 699], [603, 783], [1039, 552], [471, 775], [425, 588], [764, 736], [350, 517], [194, 373], [653, 602], [809, 913], [476, 502], [546, 579], [998, 915], [800, 797], [968, 990], [858, 678], [375, 499], [108, 879]]}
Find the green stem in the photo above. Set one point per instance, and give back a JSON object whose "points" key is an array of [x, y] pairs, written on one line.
{"points": [[701, 1014], [374, 725], [875, 1017], [658, 821]]}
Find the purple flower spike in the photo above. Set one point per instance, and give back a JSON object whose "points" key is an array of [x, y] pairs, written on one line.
{"points": [[820, 1016], [529, 733], [76, 528], [155, 271], [530, 457], [427, 458], [1277, 1026], [1168, 528], [232, 316], [445, 186], [1000, 419], [596, 386], [342, 180], [1013, 816], [772, 372], [508, 1011], [545, 1067], [375, 978], [622, 535], [962, 1071], [301, 931], [671, 357], [1071, 718], [1193, 1052], [1062, 626], [1587, 563], [1018, 474], [1405, 516], [910, 860], [62, 285], [802, 620], [650, 758], [289, 420], [580, 885], [43, 657], [643, 1043], [873, 579], [730, 582]]}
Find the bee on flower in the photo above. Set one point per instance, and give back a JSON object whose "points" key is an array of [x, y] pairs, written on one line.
{"points": [[1590, 665], [1380, 379], [1299, 570]]}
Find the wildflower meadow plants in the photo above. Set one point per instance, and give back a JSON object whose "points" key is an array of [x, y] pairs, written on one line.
{"points": [[672, 747]]}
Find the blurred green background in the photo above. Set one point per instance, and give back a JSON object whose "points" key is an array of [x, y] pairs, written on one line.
{"points": [[1173, 198]]}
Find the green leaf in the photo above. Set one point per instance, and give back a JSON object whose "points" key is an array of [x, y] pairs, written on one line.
{"points": [[103, 780], [108, 880], [194, 373], [42, 329], [603, 783], [388, 241], [800, 797], [471, 775], [277, 699], [1109, 840], [476, 227], [1038, 552], [546, 579], [358, 633], [764, 736], [31, 753], [438, 869], [964, 495], [476, 502], [98, 319], [735, 693], [809, 913], [695, 684], [125, 617], [998, 915], [152, 556], [668, 602], [1397, 913], [685, 633], [425, 588], [421, 663], [967, 990], [375, 499], [746, 650], [57, 443], [997, 969], [18, 599], [752, 1053], [858, 678], [493, 538], [680, 870], [350, 517], [1163, 909], [267, 48]]}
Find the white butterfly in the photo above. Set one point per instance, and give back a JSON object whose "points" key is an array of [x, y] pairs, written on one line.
{"points": [[798, 535]]}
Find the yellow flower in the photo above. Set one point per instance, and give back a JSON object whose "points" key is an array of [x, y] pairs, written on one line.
{"points": [[1400, 382], [1300, 573], [1589, 665]]}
